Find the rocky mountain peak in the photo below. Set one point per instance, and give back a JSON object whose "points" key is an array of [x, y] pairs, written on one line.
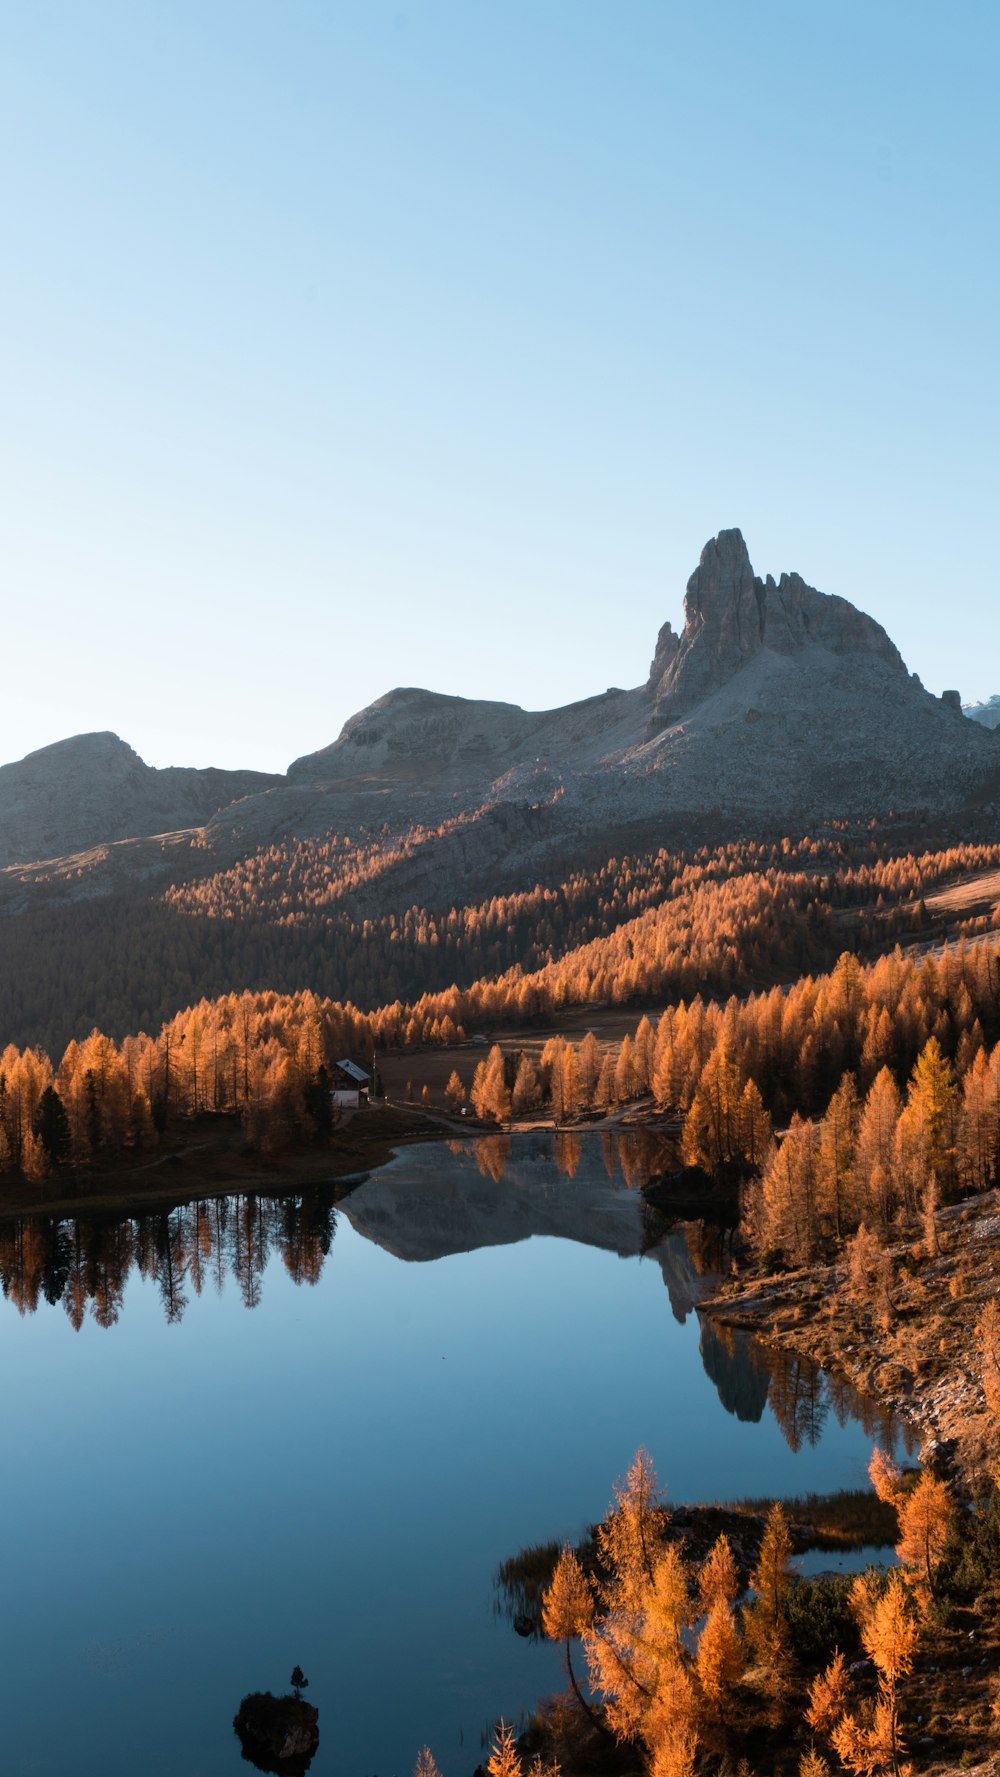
{"points": [[775, 699], [730, 615], [722, 626]]}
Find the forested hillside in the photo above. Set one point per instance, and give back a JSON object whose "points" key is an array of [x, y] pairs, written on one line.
{"points": [[331, 917], [728, 1065]]}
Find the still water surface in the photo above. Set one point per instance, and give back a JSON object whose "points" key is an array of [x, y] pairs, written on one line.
{"points": [[457, 1361]]}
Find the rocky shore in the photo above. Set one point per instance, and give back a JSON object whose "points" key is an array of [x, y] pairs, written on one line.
{"points": [[918, 1358]]}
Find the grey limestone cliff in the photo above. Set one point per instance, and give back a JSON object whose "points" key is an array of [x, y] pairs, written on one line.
{"points": [[730, 615]]}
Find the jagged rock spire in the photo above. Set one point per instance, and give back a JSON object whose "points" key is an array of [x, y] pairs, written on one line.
{"points": [[729, 615]]}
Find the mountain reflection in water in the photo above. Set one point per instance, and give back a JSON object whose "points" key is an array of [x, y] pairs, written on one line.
{"points": [[495, 1191]]}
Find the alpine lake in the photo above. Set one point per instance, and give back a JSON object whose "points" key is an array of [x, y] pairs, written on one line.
{"points": [[254, 1432]]}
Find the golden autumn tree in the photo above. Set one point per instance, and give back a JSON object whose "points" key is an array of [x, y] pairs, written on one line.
{"points": [[666, 1602], [604, 1091], [924, 1519], [644, 1054], [629, 1538], [719, 1658], [782, 1212], [568, 1612], [34, 1159], [934, 1098], [712, 1127], [567, 1089], [717, 1576], [829, 1696], [813, 1764], [837, 1142], [930, 1203], [504, 1759], [626, 1072], [755, 1133], [639, 1624], [875, 1150], [870, 1275], [490, 1096], [671, 1724], [527, 1092], [477, 1091], [870, 1742], [589, 1058], [979, 1123], [765, 1619], [925, 1512]]}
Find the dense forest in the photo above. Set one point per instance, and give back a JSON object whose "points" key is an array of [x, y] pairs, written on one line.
{"points": [[842, 1048], [308, 915]]}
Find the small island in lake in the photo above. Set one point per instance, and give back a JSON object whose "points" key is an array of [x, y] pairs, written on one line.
{"points": [[279, 1734]]}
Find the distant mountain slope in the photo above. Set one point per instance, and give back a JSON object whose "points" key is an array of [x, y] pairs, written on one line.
{"points": [[987, 713], [94, 788]]}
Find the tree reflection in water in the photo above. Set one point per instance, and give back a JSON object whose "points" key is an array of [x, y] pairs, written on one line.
{"points": [[85, 1263], [555, 1185]]}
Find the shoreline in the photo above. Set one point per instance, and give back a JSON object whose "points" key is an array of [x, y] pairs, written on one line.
{"points": [[917, 1369], [185, 1171], [921, 1366], [210, 1160]]}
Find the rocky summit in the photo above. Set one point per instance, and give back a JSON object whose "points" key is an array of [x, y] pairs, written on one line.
{"points": [[731, 616], [774, 703]]}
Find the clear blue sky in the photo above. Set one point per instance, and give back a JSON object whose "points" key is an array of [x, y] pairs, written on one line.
{"points": [[352, 344]]}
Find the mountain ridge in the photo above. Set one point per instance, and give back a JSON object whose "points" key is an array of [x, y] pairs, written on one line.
{"points": [[94, 788], [774, 702]]}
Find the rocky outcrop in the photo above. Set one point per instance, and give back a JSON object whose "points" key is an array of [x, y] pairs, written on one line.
{"points": [[94, 788], [722, 627], [277, 1734], [730, 615]]}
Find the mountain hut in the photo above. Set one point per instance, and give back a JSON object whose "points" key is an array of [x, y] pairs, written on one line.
{"points": [[350, 1085]]}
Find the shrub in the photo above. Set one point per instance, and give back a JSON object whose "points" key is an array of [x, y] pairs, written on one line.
{"points": [[820, 1618]]}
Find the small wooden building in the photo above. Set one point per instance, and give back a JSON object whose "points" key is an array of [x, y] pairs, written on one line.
{"points": [[350, 1086]]}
